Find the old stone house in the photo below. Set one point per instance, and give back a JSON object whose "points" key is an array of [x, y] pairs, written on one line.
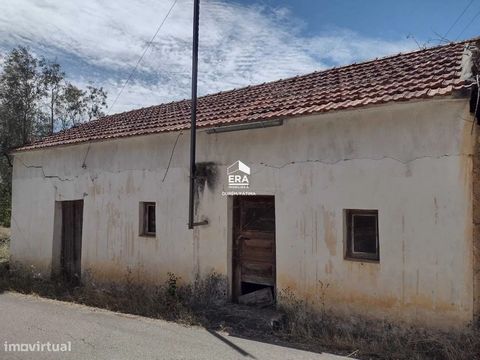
{"points": [[361, 177]]}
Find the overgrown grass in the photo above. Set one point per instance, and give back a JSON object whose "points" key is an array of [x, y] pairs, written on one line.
{"points": [[168, 301], [204, 303]]}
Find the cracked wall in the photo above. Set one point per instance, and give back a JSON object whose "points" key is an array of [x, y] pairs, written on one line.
{"points": [[411, 161]]}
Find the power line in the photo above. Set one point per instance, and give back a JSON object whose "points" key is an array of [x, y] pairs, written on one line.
{"points": [[458, 19], [468, 25], [141, 57], [171, 156]]}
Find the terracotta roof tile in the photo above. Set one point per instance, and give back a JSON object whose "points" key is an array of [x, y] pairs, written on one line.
{"points": [[420, 74]]}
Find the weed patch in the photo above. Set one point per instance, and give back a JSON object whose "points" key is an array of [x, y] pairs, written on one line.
{"points": [[204, 303], [170, 301], [373, 339]]}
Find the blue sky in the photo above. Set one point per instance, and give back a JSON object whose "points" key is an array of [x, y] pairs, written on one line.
{"points": [[242, 42], [387, 19]]}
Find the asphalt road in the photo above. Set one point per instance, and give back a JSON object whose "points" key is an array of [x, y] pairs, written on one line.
{"points": [[101, 334]]}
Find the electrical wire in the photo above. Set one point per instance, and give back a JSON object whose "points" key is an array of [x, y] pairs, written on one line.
{"points": [[475, 118], [171, 156], [468, 25], [458, 18], [143, 54]]}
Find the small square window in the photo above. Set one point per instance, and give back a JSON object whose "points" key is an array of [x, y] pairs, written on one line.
{"points": [[362, 234], [147, 219]]}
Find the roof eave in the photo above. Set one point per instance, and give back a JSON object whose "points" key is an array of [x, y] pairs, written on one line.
{"points": [[463, 93]]}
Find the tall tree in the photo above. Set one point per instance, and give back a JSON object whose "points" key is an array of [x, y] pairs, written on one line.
{"points": [[74, 108], [35, 100], [52, 82], [19, 115], [19, 96], [82, 105], [95, 101]]}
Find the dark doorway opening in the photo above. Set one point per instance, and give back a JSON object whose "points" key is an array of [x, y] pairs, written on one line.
{"points": [[71, 250], [254, 269]]}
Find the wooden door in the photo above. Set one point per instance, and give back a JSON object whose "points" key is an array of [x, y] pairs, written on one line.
{"points": [[71, 253], [253, 244]]}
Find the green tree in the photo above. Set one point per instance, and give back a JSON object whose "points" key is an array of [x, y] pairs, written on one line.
{"points": [[36, 100], [19, 115], [73, 106], [19, 96], [95, 101], [82, 105], [52, 83]]}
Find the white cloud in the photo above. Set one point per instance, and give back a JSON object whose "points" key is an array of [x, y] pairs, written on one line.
{"points": [[100, 42]]}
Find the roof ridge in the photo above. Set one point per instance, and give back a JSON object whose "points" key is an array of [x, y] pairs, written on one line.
{"points": [[335, 68], [355, 64], [422, 73]]}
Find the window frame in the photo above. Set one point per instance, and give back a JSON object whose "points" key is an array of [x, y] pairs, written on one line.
{"points": [[350, 254], [144, 218]]}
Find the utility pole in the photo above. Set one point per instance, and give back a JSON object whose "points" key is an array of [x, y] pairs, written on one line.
{"points": [[193, 126]]}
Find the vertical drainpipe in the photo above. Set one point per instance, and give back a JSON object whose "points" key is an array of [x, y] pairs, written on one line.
{"points": [[193, 126]]}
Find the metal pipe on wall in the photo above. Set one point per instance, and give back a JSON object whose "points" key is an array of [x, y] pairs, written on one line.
{"points": [[193, 126]]}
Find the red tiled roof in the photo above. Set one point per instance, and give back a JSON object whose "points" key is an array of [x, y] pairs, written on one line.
{"points": [[420, 74]]}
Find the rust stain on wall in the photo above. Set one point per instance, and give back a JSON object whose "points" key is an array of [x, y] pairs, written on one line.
{"points": [[329, 267], [97, 189], [330, 235], [109, 272], [338, 297]]}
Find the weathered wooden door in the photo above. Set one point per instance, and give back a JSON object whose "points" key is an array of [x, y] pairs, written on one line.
{"points": [[253, 244], [71, 254]]}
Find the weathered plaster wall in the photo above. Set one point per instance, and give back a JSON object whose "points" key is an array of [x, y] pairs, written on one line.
{"points": [[411, 161], [476, 227]]}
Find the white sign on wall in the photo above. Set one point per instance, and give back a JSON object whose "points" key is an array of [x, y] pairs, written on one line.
{"points": [[238, 178], [238, 175]]}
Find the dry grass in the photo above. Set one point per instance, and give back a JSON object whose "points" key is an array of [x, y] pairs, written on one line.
{"points": [[165, 301], [4, 232], [4, 245], [205, 303], [368, 339]]}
